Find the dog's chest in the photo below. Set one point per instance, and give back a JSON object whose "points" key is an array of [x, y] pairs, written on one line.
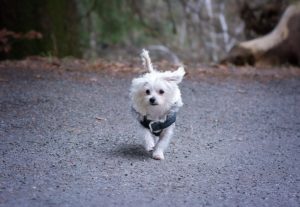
{"points": [[156, 115]]}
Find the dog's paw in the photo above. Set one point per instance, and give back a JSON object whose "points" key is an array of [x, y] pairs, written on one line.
{"points": [[158, 155], [149, 148]]}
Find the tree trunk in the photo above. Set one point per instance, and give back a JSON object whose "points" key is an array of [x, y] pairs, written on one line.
{"points": [[57, 20], [280, 46]]}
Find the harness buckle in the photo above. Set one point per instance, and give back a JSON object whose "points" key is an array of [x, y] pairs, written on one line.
{"points": [[151, 129]]}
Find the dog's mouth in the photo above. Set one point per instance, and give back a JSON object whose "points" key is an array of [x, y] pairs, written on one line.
{"points": [[153, 104]]}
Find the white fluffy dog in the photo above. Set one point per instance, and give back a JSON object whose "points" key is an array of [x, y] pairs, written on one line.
{"points": [[155, 100]]}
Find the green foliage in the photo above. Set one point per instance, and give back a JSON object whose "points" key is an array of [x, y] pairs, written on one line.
{"points": [[115, 20], [62, 27]]}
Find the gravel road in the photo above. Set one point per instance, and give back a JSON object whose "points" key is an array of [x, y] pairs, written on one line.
{"points": [[68, 139]]}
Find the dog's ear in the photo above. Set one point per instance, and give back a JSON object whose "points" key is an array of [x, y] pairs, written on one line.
{"points": [[175, 76]]}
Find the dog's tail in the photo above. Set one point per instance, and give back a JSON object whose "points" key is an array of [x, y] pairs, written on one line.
{"points": [[146, 60]]}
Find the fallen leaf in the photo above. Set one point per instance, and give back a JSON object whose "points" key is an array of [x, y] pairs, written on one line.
{"points": [[38, 76], [100, 118], [3, 80]]}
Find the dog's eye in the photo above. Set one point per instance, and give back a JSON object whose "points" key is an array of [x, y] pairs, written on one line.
{"points": [[148, 92], [161, 91]]}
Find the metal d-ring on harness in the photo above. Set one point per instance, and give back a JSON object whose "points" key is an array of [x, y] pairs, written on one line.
{"points": [[156, 127]]}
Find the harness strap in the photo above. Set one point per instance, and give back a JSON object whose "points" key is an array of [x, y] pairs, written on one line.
{"points": [[156, 127]]}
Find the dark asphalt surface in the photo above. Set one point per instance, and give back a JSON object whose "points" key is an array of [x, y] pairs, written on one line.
{"points": [[68, 139]]}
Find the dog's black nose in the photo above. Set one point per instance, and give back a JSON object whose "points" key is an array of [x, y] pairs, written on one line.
{"points": [[152, 100]]}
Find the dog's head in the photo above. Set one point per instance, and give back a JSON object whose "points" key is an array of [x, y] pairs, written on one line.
{"points": [[157, 91]]}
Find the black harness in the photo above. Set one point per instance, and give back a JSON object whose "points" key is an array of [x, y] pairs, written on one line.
{"points": [[156, 127]]}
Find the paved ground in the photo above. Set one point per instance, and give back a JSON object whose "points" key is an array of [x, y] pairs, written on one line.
{"points": [[68, 139]]}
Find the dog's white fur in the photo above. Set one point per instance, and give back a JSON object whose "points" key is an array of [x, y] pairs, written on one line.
{"points": [[163, 88]]}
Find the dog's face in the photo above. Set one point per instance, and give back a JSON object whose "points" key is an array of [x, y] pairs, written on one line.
{"points": [[156, 91]]}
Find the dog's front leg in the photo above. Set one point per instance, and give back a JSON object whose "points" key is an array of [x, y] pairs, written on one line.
{"points": [[163, 143], [149, 141]]}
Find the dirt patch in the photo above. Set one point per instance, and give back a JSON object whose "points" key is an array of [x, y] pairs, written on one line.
{"points": [[134, 66]]}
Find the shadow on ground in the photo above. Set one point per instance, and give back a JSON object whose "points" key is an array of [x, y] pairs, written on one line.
{"points": [[131, 151]]}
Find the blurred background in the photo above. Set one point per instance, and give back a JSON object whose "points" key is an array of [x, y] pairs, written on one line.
{"points": [[190, 30]]}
